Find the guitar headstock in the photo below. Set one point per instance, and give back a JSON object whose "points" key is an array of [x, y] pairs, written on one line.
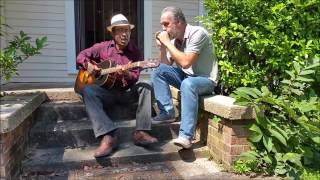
{"points": [[149, 63]]}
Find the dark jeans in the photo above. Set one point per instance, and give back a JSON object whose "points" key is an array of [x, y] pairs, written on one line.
{"points": [[98, 99]]}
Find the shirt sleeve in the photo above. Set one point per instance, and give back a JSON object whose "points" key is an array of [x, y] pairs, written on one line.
{"points": [[88, 54], [134, 73], [133, 54], [197, 41]]}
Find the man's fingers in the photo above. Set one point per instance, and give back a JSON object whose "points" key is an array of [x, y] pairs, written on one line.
{"points": [[96, 68]]}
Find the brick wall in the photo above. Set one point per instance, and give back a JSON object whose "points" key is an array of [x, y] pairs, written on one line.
{"points": [[12, 148], [226, 139]]}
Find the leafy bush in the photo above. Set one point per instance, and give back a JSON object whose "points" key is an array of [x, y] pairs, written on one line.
{"points": [[285, 137], [268, 53], [256, 41], [19, 49]]}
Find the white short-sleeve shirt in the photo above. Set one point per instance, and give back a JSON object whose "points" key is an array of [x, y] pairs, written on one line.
{"points": [[197, 40]]}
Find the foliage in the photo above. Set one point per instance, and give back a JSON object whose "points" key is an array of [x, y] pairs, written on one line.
{"points": [[19, 49], [245, 167], [256, 41], [268, 52], [285, 137], [310, 174]]}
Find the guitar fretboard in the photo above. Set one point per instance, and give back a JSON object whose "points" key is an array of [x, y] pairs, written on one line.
{"points": [[115, 69]]}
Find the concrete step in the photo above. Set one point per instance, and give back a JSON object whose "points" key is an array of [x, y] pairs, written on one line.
{"points": [[200, 168], [74, 110], [79, 133], [61, 158]]}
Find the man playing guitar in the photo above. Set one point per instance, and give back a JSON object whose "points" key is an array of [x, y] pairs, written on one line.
{"points": [[119, 52]]}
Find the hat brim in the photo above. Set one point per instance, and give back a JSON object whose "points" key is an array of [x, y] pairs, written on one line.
{"points": [[109, 28]]}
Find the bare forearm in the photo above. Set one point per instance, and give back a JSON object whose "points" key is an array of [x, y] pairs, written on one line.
{"points": [[178, 56], [163, 56]]}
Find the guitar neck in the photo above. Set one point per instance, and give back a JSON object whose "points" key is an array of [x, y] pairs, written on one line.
{"points": [[115, 69]]}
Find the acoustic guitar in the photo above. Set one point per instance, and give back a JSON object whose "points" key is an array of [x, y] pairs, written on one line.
{"points": [[106, 76]]}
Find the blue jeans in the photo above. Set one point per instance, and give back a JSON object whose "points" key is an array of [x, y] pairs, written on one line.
{"points": [[190, 88]]}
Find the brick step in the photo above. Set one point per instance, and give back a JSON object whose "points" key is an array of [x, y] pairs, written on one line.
{"points": [[79, 133], [74, 110], [62, 158]]}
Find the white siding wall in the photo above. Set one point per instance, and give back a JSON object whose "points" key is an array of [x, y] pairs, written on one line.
{"points": [[41, 18], [47, 18], [190, 9]]}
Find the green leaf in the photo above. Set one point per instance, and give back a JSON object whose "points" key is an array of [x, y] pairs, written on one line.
{"points": [[256, 135], [286, 82], [297, 92], [306, 107], [242, 93], [316, 139], [267, 159], [290, 73], [296, 66], [261, 120], [250, 155], [251, 92], [256, 91], [313, 66], [255, 128], [267, 143], [269, 100], [279, 136], [303, 79], [265, 91], [306, 72], [282, 132], [297, 84], [280, 170], [293, 157]]}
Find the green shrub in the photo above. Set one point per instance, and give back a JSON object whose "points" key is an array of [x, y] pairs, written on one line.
{"points": [[268, 53], [256, 41], [19, 49], [285, 139]]}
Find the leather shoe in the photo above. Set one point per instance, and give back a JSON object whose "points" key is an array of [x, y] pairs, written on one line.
{"points": [[142, 138], [107, 144]]}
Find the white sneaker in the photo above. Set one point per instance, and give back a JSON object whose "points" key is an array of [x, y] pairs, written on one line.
{"points": [[182, 142]]}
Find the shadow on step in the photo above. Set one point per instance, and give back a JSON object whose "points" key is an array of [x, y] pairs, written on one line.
{"points": [[164, 151]]}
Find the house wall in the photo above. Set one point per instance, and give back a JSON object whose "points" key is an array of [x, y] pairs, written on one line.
{"points": [[190, 9], [48, 18], [41, 18]]}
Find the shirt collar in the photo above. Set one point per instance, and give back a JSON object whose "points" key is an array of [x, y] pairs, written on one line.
{"points": [[187, 31]]}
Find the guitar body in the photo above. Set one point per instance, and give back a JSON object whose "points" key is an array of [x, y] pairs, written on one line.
{"points": [[107, 75], [84, 78], [107, 80]]}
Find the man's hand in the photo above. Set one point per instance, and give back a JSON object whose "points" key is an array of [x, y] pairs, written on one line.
{"points": [[163, 37], [121, 70], [159, 44], [91, 68]]}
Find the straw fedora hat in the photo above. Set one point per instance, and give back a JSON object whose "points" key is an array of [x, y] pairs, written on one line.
{"points": [[119, 20]]}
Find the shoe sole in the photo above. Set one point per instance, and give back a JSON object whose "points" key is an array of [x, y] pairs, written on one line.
{"points": [[163, 122], [145, 144], [108, 153], [180, 145]]}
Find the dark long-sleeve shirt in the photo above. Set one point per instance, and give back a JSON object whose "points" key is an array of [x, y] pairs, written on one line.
{"points": [[107, 51]]}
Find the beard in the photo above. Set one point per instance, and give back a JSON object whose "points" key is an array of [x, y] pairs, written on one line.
{"points": [[173, 33]]}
